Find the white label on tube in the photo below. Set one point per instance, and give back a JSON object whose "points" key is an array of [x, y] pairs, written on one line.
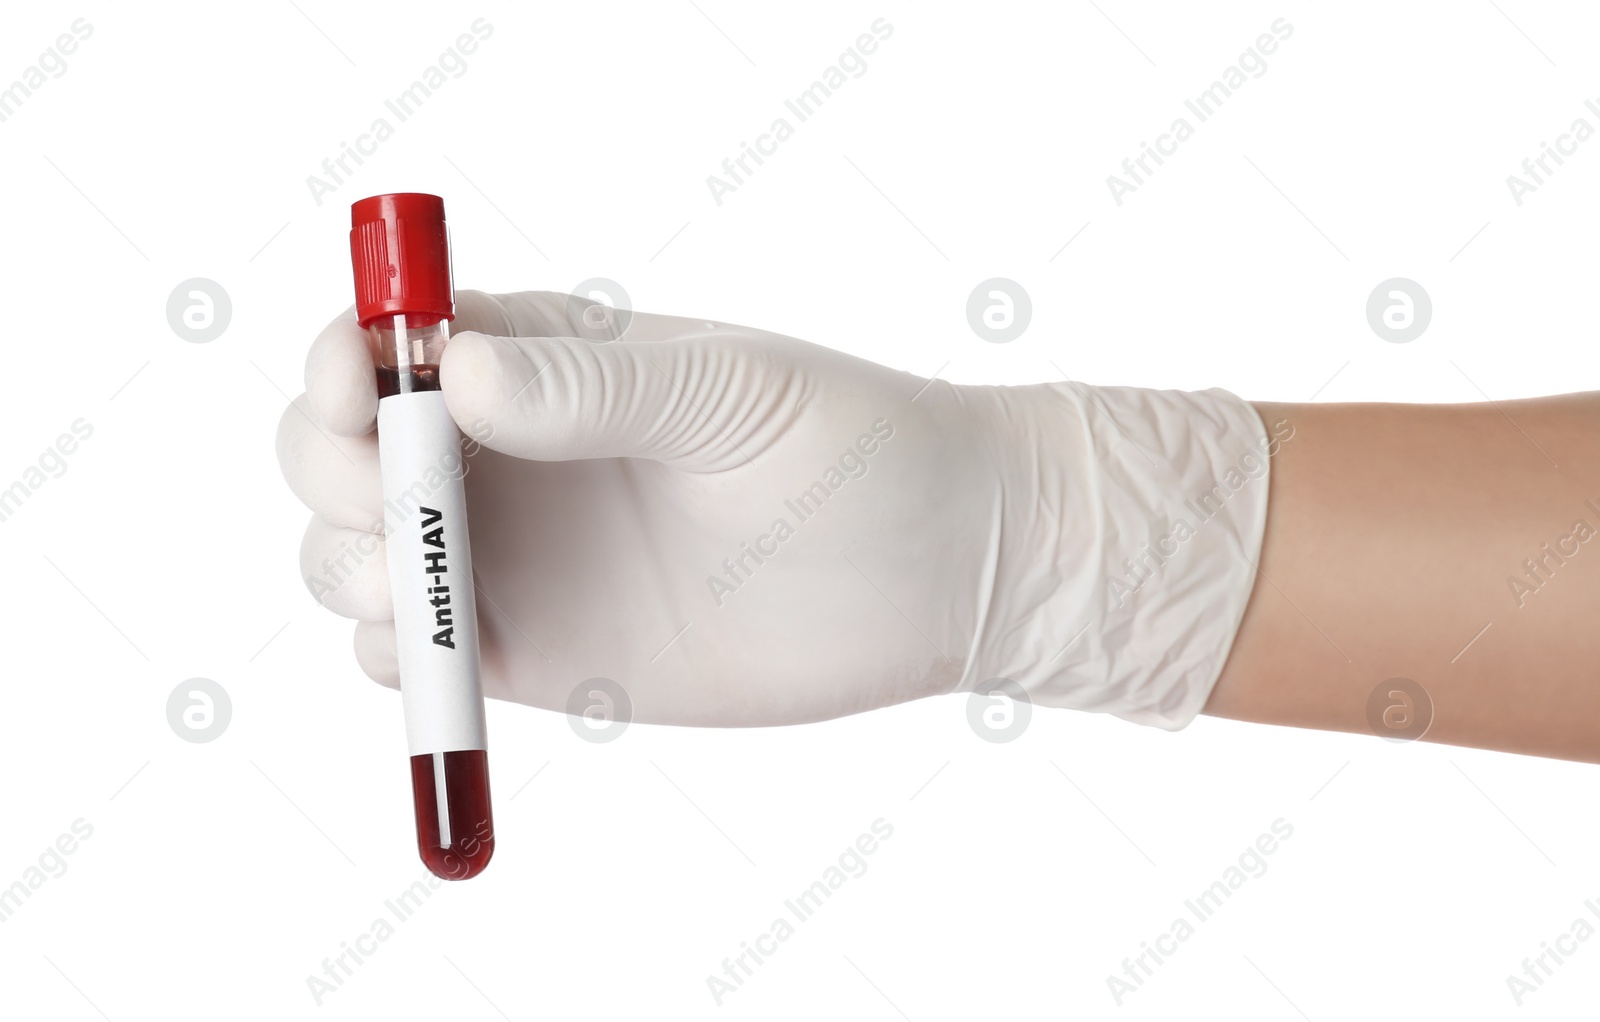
{"points": [[430, 573]]}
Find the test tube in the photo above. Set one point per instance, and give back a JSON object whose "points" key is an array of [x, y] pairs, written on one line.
{"points": [[400, 251]]}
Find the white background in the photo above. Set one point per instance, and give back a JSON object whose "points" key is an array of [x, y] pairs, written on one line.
{"points": [[219, 876]]}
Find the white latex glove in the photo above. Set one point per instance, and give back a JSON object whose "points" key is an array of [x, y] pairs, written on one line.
{"points": [[741, 528]]}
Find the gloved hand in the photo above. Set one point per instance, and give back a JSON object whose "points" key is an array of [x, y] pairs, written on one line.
{"points": [[740, 528]]}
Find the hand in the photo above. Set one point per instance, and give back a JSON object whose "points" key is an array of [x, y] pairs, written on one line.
{"points": [[741, 528], [738, 528]]}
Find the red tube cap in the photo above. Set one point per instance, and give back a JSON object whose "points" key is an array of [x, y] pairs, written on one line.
{"points": [[400, 250]]}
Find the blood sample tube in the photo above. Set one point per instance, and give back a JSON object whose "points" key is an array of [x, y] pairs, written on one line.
{"points": [[400, 251]]}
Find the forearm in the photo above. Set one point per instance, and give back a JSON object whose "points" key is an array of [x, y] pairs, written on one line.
{"points": [[1394, 534]]}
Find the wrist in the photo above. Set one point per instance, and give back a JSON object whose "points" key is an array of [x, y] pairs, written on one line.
{"points": [[1125, 543]]}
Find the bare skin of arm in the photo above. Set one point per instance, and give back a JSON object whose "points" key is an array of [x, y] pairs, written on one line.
{"points": [[1393, 534]]}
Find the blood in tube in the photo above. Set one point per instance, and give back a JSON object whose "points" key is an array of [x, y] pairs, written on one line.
{"points": [[400, 251]]}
